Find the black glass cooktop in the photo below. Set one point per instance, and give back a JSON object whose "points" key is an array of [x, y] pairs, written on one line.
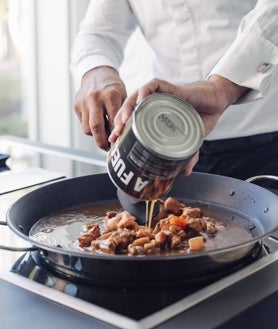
{"points": [[135, 302]]}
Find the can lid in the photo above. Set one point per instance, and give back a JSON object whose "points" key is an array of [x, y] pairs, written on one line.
{"points": [[168, 126]]}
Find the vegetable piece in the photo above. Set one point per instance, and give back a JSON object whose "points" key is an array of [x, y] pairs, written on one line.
{"points": [[180, 221], [140, 241], [196, 244]]}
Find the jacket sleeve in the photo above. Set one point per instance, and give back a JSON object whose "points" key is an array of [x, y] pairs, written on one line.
{"points": [[252, 59], [102, 37]]}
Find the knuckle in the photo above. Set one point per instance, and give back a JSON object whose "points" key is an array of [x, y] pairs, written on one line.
{"points": [[114, 98]]}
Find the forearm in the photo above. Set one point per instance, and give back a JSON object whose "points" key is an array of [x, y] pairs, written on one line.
{"points": [[97, 54], [226, 91], [102, 38], [253, 57]]}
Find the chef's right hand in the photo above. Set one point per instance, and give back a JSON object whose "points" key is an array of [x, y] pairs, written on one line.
{"points": [[100, 96], [210, 98]]}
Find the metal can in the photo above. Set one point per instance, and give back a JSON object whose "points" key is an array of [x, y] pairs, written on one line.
{"points": [[159, 139]]}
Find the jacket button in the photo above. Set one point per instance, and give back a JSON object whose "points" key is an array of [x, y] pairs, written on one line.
{"points": [[264, 67]]}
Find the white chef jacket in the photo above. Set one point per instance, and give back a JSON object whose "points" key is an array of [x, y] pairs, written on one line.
{"points": [[191, 40]]}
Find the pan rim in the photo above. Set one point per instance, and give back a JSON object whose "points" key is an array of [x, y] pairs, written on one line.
{"points": [[85, 254]]}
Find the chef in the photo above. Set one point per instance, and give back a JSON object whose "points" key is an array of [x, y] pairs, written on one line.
{"points": [[219, 55]]}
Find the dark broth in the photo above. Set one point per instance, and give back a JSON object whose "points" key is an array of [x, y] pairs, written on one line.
{"points": [[62, 229]]}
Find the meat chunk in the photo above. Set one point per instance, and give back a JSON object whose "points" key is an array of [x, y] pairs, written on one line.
{"points": [[127, 221], [111, 222], [197, 224], [192, 212], [92, 234], [174, 206], [121, 220], [117, 242], [179, 230]]}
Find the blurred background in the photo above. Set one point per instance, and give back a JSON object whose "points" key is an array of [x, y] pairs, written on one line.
{"points": [[36, 89]]}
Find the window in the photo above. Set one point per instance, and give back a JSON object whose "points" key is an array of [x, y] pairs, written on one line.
{"points": [[13, 115], [36, 92]]}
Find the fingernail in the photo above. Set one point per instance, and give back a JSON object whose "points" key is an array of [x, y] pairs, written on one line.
{"points": [[110, 138], [113, 136], [138, 100]]}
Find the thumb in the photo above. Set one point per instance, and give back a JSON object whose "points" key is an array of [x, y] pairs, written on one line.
{"points": [[191, 164]]}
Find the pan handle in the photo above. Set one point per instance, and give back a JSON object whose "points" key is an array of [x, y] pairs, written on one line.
{"points": [[15, 248], [254, 178], [273, 238]]}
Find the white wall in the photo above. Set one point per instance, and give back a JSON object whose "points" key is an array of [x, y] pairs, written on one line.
{"points": [[52, 27]]}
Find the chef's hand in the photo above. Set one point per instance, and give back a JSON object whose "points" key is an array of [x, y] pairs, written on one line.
{"points": [[100, 96], [210, 98]]}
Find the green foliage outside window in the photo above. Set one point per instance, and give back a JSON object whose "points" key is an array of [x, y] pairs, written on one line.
{"points": [[12, 121]]}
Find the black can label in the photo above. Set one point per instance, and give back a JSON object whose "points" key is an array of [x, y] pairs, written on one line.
{"points": [[161, 136], [139, 172]]}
